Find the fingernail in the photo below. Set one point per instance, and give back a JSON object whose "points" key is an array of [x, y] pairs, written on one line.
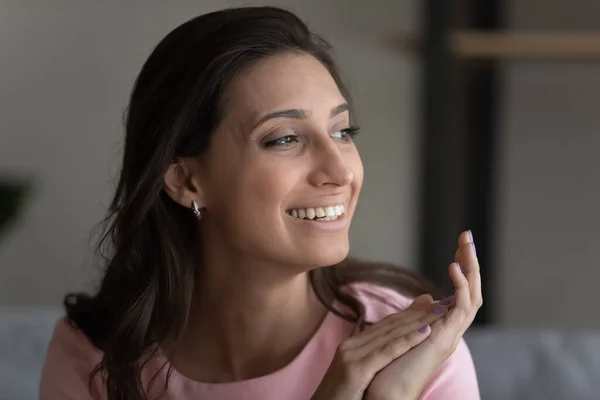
{"points": [[472, 242], [458, 266], [447, 300], [423, 329], [439, 310]]}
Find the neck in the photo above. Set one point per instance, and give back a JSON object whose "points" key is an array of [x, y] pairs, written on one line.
{"points": [[248, 319]]}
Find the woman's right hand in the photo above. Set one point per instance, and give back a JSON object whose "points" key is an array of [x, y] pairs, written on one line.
{"points": [[406, 377], [360, 357]]}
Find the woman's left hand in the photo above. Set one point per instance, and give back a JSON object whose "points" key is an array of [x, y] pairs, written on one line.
{"points": [[406, 377]]}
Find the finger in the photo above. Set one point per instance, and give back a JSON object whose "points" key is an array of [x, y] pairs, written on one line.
{"points": [[457, 318], [470, 264], [386, 325], [458, 256], [426, 301], [464, 238], [466, 247], [474, 278], [401, 329], [421, 301], [387, 349]]}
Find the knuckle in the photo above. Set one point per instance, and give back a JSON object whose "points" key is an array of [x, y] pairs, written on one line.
{"points": [[413, 338], [479, 302], [345, 357], [402, 315], [388, 320], [345, 346], [393, 347], [401, 345]]}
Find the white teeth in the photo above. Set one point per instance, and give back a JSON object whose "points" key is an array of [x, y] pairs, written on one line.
{"points": [[328, 213], [328, 219]]}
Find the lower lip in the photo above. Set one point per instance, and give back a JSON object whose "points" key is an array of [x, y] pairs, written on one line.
{"points": [[335, 225]]}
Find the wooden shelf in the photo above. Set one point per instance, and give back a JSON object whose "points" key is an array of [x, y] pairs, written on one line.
{"points": [[472, 44]]}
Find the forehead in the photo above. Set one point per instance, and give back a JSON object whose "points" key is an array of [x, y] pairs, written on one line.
{"points": [[282, 82]]}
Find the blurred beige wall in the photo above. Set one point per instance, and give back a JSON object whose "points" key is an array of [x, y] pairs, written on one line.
{"points": [[549, 169], [66, 69]]}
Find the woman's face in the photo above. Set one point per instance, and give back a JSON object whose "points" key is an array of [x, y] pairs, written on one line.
{"points": [[280, 159]]}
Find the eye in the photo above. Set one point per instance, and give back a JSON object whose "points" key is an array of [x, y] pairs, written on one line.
{"points": [[347, 134], [282, 141]]}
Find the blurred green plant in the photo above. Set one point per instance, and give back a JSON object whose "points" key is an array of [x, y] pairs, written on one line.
{"points": [[12, 199]]}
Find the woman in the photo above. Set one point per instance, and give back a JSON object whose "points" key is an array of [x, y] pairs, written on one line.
{"points": [[226, 271]]}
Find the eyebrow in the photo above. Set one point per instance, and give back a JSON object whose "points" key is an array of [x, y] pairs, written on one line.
{"points": [[299, 113]]}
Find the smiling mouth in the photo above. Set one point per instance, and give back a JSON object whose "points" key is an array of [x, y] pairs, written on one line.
{"points": [[328, 213]]}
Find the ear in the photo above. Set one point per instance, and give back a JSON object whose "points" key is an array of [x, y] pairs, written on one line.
{"points": [[182, 182]]}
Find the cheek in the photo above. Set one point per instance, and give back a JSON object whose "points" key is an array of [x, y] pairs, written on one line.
{"points": [[261, 188], [265, 187], [256, 200]]}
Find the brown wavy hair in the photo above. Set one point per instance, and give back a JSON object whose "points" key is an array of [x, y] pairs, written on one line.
{"points": [[147, 243]]}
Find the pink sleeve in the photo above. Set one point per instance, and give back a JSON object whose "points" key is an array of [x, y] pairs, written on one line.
{"points": [[69, 360], [455, 379]]}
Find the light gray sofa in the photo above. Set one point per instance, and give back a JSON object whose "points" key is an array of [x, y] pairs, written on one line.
{"points": [[511, 364], [24, 335]]}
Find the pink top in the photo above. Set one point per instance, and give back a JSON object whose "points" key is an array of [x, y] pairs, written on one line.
{"points": [[71, 357]]}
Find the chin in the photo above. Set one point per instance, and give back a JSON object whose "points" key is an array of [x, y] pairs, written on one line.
{"points": [[324, 256]]}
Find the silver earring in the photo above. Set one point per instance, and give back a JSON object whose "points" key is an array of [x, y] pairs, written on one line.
{"points": [[196, 209]]}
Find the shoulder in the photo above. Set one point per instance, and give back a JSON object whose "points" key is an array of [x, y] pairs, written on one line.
{"points": [[70, 359], [69, 340]]}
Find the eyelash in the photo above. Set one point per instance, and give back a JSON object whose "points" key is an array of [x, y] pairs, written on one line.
{"points": [[349, 132]]}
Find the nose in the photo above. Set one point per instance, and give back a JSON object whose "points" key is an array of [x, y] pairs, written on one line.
{"points": [[331, 167]]}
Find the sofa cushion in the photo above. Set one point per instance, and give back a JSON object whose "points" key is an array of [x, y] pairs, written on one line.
{"points": [[24, 336], [536, 364]]}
